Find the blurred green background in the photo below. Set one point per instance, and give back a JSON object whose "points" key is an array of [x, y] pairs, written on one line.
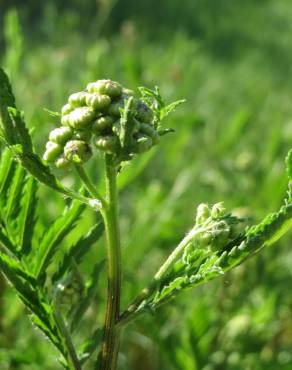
{"points": [[232, 61]]}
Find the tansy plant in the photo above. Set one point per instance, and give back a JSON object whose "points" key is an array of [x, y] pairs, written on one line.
{"points": [[111, 121]]}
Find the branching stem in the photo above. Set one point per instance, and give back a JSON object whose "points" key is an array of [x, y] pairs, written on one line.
{"points": [[110, 345]]}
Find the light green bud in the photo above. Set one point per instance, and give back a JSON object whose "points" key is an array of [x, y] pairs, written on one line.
{"points": [[203, 213], [108, 87], [150, 131], [218, 210], [53, 150], [77, 151], [84, 135], [78, 99], [97, 101], [128, 92], [66, 109], [65, 120], [114, 108], [81, 117], [142, 144], [62, 163], [61, 135], [102, 124], [143, 112], [108, 144]]}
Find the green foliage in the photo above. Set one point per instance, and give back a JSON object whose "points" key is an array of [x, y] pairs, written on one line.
{"points": [[234, 74]]}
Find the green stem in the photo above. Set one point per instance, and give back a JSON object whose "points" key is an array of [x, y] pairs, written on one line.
{"points": [[110, 345], [89, 186], [72, 359], [146, 292]]}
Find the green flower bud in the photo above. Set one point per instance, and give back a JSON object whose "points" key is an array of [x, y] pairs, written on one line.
{"points": [[218, 210], [53, 150], [102, 124], [128, 92], [144, 113], [67, 108], [97, 101], [78, 99], [150, 131], [108, 144], [62, 163], [203, 213], [77, 151], [142, 144], [84, 135], [61, 135], [65, 120], [108, 87], [114, 108], [81, 117]]}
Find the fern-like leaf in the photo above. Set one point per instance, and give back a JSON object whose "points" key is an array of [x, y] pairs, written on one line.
{"points": [[53, 237]]}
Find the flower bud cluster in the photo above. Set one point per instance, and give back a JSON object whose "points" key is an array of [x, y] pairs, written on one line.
{"points": [[95, 116], [214, 229]]}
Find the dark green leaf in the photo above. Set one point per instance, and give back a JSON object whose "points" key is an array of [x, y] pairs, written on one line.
{"points": [[78, 250], [26, 219], [54, 236]]}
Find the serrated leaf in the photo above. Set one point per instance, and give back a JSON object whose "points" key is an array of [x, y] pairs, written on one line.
{"points": [[78, 250], [15, 192], [6, 100], [165, 111], [91, 290], [23, 136], [47, 331], [8, 167], [6, 242], [54, 236], [5, 163], [14, 267], [26, 218], [43, 174]]}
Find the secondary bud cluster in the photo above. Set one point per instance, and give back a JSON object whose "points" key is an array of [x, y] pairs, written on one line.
{"points": [[214, 229], [106, 115]]}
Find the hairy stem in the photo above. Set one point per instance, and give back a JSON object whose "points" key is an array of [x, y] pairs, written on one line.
{"points": [[110, 345]]}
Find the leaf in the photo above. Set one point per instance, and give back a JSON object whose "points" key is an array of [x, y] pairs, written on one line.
{"points": [[43, 174], [53, 237], [7, 170], [49, 333], [15, 192], [78, 250], [6, 242], [8, 264], [52, 113], [165, 111], [6, 100], [23, 136], [26, 218], [90, 346], [5, 164], [92, 286]]}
